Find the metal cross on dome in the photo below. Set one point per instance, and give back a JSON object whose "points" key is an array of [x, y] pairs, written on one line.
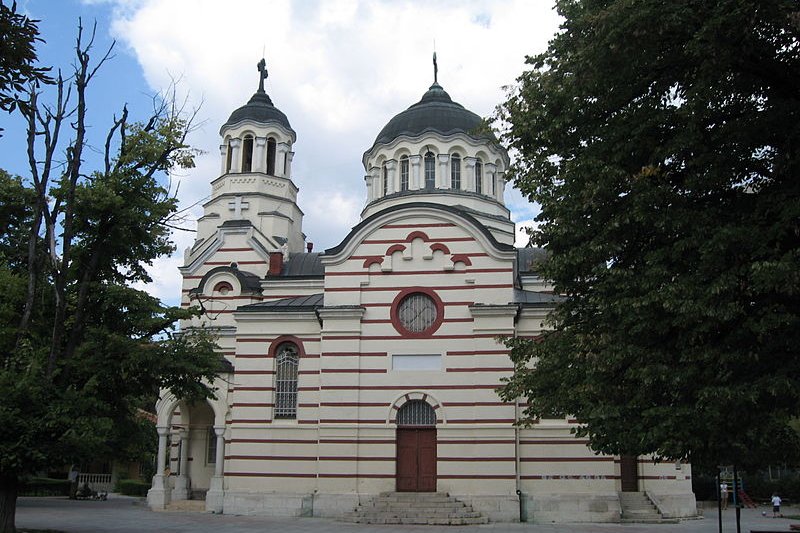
{"points": [[263, 74]]}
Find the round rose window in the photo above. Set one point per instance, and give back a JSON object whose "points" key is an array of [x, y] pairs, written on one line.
{"points": [[417, 312]]}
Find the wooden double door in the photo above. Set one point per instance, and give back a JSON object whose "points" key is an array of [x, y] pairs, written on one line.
{"points": [[629, 473], [416, 459]]}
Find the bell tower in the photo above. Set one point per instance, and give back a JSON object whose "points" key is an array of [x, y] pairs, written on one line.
{"points": [[255, 185]]}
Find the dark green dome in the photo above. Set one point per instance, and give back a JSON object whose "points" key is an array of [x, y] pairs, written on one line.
{"points": [[259, 109], [435, 112]]}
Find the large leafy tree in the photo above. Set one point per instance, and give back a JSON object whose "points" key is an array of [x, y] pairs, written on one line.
{"points": [[79, 348], [662, 140], [18, 37]]}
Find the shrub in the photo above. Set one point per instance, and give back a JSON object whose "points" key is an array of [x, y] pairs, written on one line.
{"points": [[132, 487], [43, 486]]}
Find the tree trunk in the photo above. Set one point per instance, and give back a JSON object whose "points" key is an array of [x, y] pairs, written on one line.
{"points": [[8, 503]]}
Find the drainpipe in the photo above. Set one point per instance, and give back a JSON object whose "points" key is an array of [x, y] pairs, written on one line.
{"points": [[523, 516]]}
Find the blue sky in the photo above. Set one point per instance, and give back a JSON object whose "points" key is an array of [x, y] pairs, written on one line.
{"points": [[339, 69]]}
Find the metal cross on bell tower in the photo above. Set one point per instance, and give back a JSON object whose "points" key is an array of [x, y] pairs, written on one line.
{"points": [[263, 74]]}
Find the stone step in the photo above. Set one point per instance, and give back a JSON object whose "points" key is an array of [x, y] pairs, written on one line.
{"points": [[412, 512], [425, 508]]}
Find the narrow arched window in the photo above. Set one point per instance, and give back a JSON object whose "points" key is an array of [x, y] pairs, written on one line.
{"points": [[385, 182], [271, 156], [286, 363], [247, 154], [430, 171], [229, 157], [455, 171], [404, 173], [479, 176]]}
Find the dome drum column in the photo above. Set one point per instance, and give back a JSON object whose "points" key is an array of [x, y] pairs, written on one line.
{"points": [[489, 170], [442, 177], [223, 159], [500, 185], [468, 178], [374, 185], [415, 181], [392, 178]]}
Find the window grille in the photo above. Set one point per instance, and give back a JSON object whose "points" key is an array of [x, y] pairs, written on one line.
{"points": [[404, 173], [286, 362], [455, 172], [430, 171], [385, 180], [478, 176], [417, 312], [416, 413], [211, 448]]}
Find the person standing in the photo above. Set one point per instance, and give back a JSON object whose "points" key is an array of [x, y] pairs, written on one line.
{"points": [[776, 506], [723, 494]]}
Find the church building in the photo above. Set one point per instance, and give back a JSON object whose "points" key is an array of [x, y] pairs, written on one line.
{"points": [[366, 374]]}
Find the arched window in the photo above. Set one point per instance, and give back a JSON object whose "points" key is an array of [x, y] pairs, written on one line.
{"points": [[430, 171], [416, 413], [479, 176], [229, 157], [247, 154], [404, 173], [286, 363], [385, 174], [271, 156], [455, 171]]}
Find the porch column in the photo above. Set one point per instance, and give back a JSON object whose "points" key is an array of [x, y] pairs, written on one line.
{"points": [[158, 496], [181, 490], [216, 489]]}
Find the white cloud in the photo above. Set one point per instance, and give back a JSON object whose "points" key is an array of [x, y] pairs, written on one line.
{"points": [[338, 69]]}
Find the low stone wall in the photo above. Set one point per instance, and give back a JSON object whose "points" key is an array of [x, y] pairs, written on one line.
{"points": [[267, 504], [572, 507], [501, 508], [674, 505]]}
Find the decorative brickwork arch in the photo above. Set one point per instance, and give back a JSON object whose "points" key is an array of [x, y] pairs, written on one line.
{"points": [[400, 401]]}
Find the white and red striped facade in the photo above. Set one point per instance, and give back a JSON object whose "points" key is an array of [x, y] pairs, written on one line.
{"points": [[357, 365]]}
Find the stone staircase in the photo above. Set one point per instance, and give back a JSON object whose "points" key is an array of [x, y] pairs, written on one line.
{"points": [[432, 508], [637, 508]]}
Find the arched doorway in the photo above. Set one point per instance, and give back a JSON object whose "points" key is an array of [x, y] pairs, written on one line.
{"points": [[416, 447]]}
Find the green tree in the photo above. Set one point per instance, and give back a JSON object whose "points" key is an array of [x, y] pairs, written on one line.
{"points": [[18, 37], [80, 348], [662, 140]]}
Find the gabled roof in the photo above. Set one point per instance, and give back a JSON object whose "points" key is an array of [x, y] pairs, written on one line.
{"points": [[303, 265]]}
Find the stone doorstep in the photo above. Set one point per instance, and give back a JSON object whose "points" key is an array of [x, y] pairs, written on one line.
{"points": [[439, 513], [428, 505], [425, 521]]}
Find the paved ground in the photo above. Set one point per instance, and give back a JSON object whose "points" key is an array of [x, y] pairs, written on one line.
{"points": [[128, 515]]}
